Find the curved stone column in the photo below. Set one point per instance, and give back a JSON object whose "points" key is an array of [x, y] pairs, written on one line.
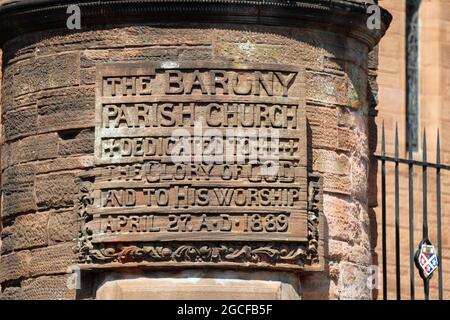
{"points": [[311, 56]]}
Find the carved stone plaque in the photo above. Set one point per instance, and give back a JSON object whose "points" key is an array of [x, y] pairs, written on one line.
{"points": [[200, 163]]}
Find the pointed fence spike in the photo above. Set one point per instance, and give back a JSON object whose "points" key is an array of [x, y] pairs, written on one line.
{"points": [[424, 146], [396, 141], [383, 141], [438, 148]]}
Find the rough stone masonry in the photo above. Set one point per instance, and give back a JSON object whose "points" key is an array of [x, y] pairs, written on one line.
{"points": [[88, 176]]}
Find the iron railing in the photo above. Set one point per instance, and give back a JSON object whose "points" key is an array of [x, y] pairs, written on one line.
{"points": [[414, 257]]}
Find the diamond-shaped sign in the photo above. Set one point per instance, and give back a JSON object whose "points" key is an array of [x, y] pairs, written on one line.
{"points": [[426, 259]]}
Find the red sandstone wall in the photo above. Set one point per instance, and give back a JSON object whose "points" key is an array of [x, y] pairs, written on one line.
{"points": [[49, 118], [434, 94]]}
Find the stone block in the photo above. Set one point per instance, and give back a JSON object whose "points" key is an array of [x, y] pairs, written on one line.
{"points": [[47, 288], [132, 36], [326, 88], [62, 226], [64, 164], [315, 286], [53, 71], [20, 123], [27, 231], [81, 143], [55, 190], [337, 183], [323, 124], [38, 147], [18, 178], [66, 109], [354, 282], [18, 202], [342, 219], [91, 58], [52, 260], [342, 251], [359, 178], [331, 162], [346, 139], [11, 293]]}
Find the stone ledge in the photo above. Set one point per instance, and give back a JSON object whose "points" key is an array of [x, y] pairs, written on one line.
{"points": [[18, 18], [200, 285]]}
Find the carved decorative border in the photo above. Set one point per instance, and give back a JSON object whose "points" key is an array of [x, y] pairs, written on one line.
{"points": [[83, 201], [199, 252], [315, 209]]}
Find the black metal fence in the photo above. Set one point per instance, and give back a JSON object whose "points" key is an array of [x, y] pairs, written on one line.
{"points": [[423, 258]]}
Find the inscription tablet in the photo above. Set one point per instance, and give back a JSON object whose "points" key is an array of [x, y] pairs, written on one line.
{"points": [[198, 162]]}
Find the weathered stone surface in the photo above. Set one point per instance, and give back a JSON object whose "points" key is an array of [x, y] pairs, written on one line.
{"points": [[81, 143], [334, 65], [323, 122], [7, 90], [326, 88], [193, 53], [66, 109], [337, 183], [11, 293], [130, 37], [46, 73], [64, 164], [350, 50], [47, 288], [18, 178], [20, 123], [87, 76], [51, 260], [62, 226], [33, 148], [359, 178], [331, 162], [356, 95], [55, 190], [6, 155], [202, 285], [27, 231], [14, 266], [346, 118], [254, 52], [18, 202], [353, 282], [342, 219], [342, 251], [346, 139]]}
